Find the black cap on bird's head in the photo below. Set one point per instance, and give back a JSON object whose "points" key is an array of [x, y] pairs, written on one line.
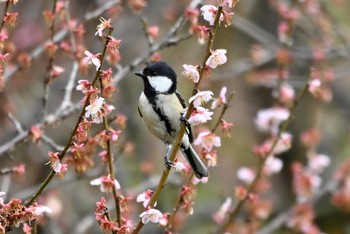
{"points": [[159, 77], [158, 69]]}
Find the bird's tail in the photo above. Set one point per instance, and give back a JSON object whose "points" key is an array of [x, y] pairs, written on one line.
{"points": [[198, 167]]}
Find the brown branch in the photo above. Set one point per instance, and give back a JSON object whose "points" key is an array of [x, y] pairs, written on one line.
{"points": [[71, 136]]}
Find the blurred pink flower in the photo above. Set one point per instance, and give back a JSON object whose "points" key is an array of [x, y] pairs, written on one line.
{"points": [[208, 140], [268, 120], [245, 174]]}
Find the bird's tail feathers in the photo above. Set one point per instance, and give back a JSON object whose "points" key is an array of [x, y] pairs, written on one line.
{"points": [[198, 167]]}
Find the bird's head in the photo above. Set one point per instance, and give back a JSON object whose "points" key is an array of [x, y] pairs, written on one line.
{"points": [[159, 76]]}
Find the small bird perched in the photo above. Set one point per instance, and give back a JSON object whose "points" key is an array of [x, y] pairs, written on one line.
{"points": [[161, 107]]}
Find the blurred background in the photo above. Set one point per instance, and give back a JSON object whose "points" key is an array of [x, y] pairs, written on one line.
{"points": [[253, 43]]}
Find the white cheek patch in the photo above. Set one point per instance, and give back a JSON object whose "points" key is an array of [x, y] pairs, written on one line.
{"points": [[160, 83]]}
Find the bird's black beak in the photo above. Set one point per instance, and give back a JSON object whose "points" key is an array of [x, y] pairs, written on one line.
{"points": [[140, 74]]}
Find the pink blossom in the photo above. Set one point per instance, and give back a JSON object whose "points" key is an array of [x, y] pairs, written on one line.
{"points": [[145, 197], [83, 85], [221, 99], [105, 24], [56, 71], [39, 210], [201, 98], [106, 184], [1, 198], [163, 221], [200, 115], [220, 215], [55, 161], [153, 31], [26, 229], [179, 166], [285, 93], [228, 3], [114, 45], [152, 215], [92, 59], [95, 110], [225, 127], [268, 120], [273, 165], [318, 162], [114, 135], [314, 87], [191, 72], [217, 57], [209, 13], [246, 175], [208, 140], [283, 144]]}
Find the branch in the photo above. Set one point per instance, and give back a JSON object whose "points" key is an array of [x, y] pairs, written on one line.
{"points": [[259, 173]]}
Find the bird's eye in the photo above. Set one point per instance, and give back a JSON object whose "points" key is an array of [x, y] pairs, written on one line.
{"points": [[153, 73]]}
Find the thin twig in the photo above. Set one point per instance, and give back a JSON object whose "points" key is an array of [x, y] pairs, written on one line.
{"points": [[67, 99], [49, 67], [15, 122]]}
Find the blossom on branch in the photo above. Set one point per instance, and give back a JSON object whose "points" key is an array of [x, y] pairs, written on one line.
{"points": [[95, 110], [209, 13], [145, 197], [221, 99], [105, 24], [201, 98], [200, 115], [92, 59], [106, 184], [152, 215], [191, 72], [208, 140], [216, 58]]}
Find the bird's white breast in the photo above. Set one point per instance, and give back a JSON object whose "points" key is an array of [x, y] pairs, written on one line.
{"points": [[170, 107]]}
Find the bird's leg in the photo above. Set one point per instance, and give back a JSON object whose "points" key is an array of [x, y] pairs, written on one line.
{"points": [[168, 163]]}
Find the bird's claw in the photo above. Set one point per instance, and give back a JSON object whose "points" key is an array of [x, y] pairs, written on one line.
{"points": [[185, 121], [168, 163]]}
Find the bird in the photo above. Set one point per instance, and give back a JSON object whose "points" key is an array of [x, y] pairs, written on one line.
{"points": [[162, 108]]}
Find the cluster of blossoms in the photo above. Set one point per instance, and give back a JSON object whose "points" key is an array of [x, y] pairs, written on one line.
{"points": [[209, 13], [14, 213]]}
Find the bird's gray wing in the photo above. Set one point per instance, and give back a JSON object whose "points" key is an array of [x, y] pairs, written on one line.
{"points": [[189, 130]]}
